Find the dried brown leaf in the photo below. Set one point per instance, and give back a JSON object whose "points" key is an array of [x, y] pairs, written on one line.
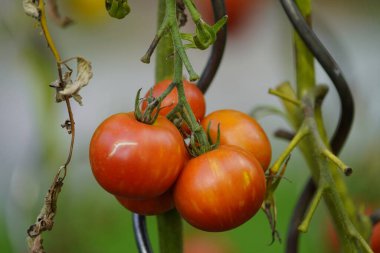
{"points": [[31, 8]]}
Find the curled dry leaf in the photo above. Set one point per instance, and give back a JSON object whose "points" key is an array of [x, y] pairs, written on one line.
{"points": [[31, 8], [45, 220], [70, 88]]}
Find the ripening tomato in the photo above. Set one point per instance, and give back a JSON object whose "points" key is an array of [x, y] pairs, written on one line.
{"points": [[193, 96], [239, 129], [152, 206], [375, 238], [136, 160], [220, 190]]}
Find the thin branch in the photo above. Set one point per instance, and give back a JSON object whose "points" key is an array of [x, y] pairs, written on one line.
{"points": [[45, 219]]}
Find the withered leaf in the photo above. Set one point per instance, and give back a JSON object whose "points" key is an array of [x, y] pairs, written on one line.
{"points": [[71, 88], [31, 8], [84, 74]]}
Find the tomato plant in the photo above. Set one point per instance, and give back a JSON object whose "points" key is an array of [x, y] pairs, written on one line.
{"points": [[239, 129], [193, 96], [152, 206], [220, 189], [139, 156], [136, 160]]}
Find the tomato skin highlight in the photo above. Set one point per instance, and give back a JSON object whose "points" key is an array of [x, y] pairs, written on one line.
{"points": [[375, 238], [220, 190], [135, 160], [152, 206], [194, 97], [241, 130]]}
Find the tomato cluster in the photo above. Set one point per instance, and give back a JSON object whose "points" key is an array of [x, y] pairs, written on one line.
{"points": [[149, 171]]}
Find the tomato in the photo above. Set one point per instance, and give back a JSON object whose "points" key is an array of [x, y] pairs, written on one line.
{"points": [[238, 11], [193, 96], [220, 190], [151, 206], [239, 129], [136, 160], [375, 238]]}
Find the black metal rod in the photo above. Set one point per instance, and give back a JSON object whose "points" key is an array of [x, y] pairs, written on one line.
{"points": [[345, 120], [141, 233], [208, 74], [217, 50], [375, 217]]}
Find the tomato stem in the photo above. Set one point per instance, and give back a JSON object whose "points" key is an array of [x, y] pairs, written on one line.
{"points": [[169, 224], [329, 181], [284, 97], [302, 132], [304, 226], [341, 165]]}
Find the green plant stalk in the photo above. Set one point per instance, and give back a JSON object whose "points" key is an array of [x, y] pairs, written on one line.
{"points": [[170, 223], [305, 73], [324, 173], [165, 49]]}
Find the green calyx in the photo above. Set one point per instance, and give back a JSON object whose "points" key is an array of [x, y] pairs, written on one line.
{"points": [[151, 112], [196, 148], [205, 35], [118, 8]]}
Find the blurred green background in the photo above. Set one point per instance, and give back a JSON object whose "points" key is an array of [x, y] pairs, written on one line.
{"points": [[258, 56]]}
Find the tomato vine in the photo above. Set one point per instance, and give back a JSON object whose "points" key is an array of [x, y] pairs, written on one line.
{"points": [[303, 107]]}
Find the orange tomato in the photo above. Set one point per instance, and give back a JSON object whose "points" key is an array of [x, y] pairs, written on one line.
{"points": [[241, 130]]}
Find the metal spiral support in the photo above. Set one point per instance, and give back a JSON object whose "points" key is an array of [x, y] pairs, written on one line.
{"points": [[208, 74], [346, 115]]}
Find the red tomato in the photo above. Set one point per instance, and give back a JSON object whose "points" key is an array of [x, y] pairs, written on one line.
{"points": [[239, 129], [152, 206], [220, 189], [193, 96], [375, 238], [135, 160], [238, 11]]}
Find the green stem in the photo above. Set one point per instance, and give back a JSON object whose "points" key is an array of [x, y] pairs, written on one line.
{"points": [[170, 232], [165, 49], [313, 148], [304, 226], [195, 16], [304, 58], [301, 133], [284, 97], [169, 224], [339, 163]]}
